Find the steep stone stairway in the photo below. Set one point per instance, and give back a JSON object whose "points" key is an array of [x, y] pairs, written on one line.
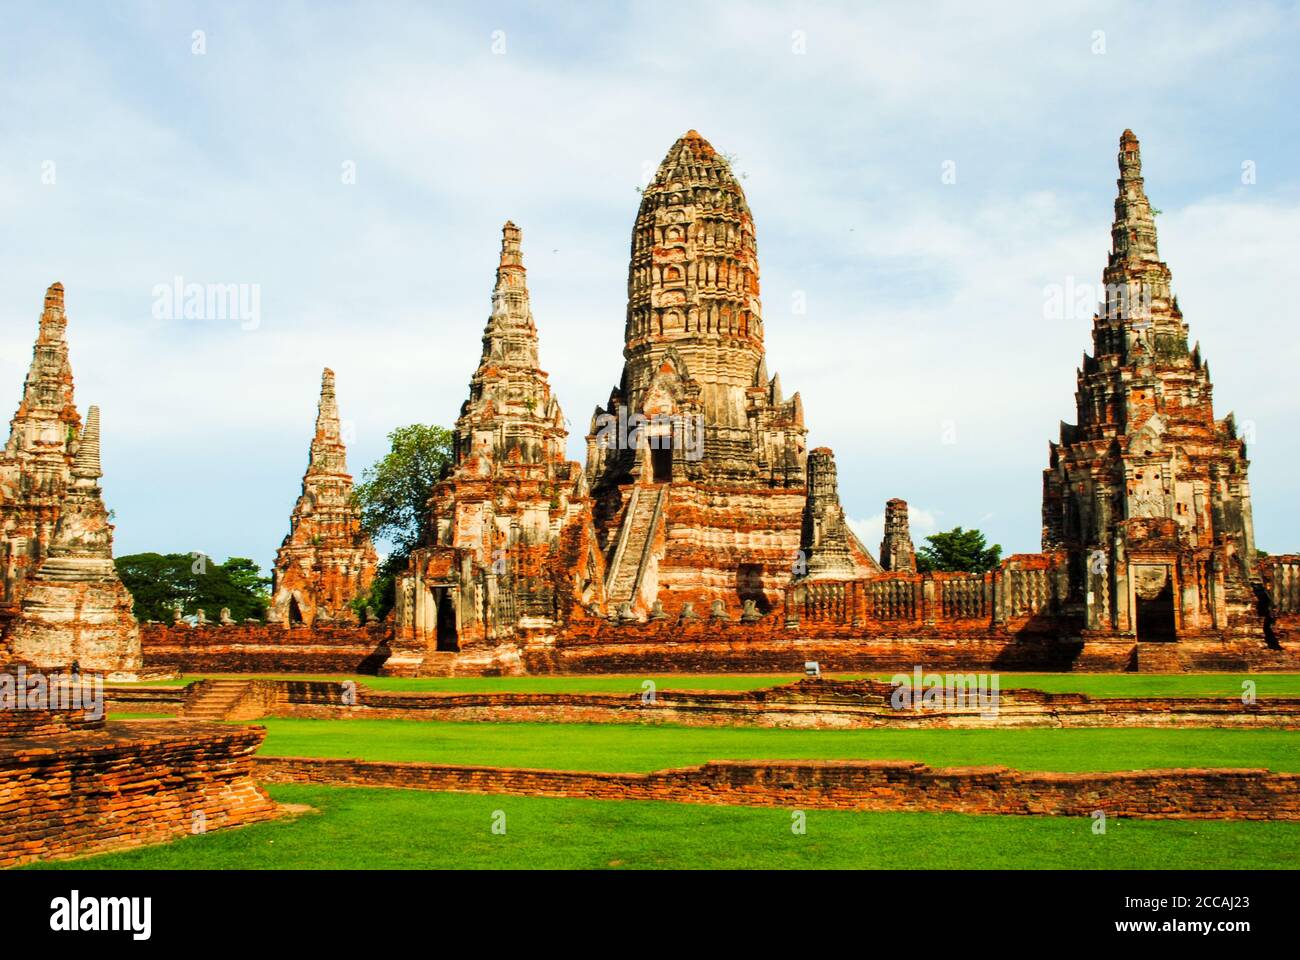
{"points": [[644, 510], [215, 699]]}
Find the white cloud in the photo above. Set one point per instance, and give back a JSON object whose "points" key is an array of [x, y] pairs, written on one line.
{"points": [[925, 302]]}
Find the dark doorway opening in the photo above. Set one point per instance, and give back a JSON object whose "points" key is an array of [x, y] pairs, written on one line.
{"points": [[1155, 617], [446, 626], [295, 612], [661, 464]]}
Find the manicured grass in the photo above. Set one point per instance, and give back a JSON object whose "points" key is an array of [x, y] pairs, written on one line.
{"points": [[360, 828], [1094, 684], [632, 747]]}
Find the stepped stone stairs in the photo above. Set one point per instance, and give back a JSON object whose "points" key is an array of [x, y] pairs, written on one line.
{"points": [[1159, 658], [215, 699], [641, 519]]}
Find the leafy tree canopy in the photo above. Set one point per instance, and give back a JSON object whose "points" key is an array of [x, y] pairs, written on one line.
{"points": [[161, 582], [393, 495], [958, 550]]}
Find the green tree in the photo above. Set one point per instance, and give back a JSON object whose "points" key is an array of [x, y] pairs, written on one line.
{"points": [[393, 495], [958, 550], [161, 582]]}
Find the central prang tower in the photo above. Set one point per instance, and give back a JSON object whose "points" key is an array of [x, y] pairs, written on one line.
{"points": [[698, 465]]}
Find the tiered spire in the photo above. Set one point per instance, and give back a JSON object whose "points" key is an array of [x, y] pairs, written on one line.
{"points": [[326, 561], [47, 391], [328, 453], [1133, 235], [509, 386], [75, 609], [83, 533], [510, 336]]}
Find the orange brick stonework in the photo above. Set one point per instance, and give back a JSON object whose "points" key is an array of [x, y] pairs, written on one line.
{"points": [[70, 786], [703, 534], [882, 785], [810, 704]]}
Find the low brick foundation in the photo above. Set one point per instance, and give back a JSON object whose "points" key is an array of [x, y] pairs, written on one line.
{"points": [[590, 647], [265, 648], [124, 784], [808, 704], [878, 785]]}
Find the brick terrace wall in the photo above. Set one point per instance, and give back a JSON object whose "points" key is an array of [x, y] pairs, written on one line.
{"points": [[17, 724], [809, 704], [127, 784], [600, 647], [266, 648], [881, 785]]}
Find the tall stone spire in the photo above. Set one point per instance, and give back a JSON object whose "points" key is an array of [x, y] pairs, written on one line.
{"points": [[36, 458], [328, 453], [1147, 493], [47, 392], [493, 570], [511, 411], [1133, 235], [511, 336], [75, 609], [326, 561]]}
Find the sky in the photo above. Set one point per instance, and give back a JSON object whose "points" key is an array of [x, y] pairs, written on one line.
{"points": [[927, 180]]}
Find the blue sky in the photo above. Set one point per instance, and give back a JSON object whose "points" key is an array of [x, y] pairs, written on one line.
{"points": [[925, 300]]}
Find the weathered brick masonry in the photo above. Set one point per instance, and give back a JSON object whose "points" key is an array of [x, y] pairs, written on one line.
{"points": [[812, 704], [98, 786], [265, 647], [878, 785]]}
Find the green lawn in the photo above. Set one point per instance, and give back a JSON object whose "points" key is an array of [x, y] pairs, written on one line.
{"points": [[633, 747], [359, 828], [1095, 684]]}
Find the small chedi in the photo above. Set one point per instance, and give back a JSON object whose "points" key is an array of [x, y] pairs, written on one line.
{"points": [[897, 552], [326, 560], [513, 547], [703, 534], [75, 609]]}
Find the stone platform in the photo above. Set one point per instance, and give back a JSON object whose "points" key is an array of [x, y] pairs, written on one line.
{"points": [[874, 785], [808, 704], [71, 786]]}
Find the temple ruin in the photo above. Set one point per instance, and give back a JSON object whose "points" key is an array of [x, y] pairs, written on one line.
{"points": [[513, 544], [75, 610], [1147, 493], [702, 534], [326, 560], [64, 603], [37, 459]]}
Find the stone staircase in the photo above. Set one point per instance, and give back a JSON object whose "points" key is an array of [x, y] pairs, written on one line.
{"points": [[215, 699], [1159, 658], [635, 540], [439, 663]]}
